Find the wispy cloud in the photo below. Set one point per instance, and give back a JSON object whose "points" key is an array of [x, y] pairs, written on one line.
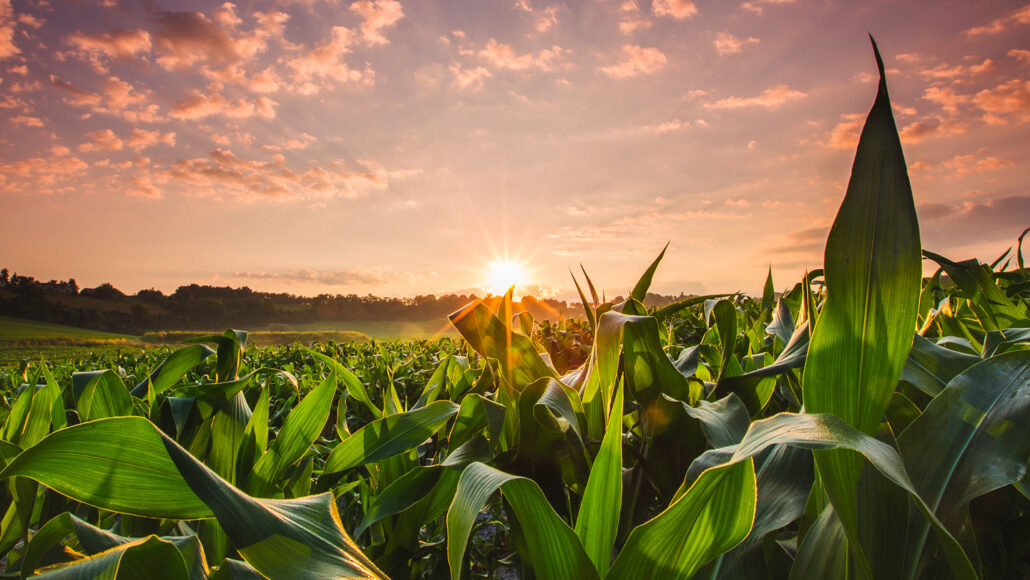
{"points": [[636, 60], [769, 99]]}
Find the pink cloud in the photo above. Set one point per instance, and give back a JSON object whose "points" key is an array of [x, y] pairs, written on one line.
{"points": [[769, 99], [678, 9], [1021, 55], [377, 15], [469, 79], [315, 69], [636, 60], [543, 20], [757, 5], [966, 164], [116, 44], [7, 26], [1007, 100], [27, 121], [931, 127], [504, 56], [104, 140], [1016, 17], [725, 43], [140, 139], [199, 105]]}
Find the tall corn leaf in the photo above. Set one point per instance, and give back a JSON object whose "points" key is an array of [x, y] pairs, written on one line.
{"points": [[864, 331], [598, 520]]}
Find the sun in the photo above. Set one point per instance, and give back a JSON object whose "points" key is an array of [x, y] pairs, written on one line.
{"points": [[503, 274]]}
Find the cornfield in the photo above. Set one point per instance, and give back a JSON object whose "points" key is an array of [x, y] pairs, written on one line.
{"points": [[867, 422]]}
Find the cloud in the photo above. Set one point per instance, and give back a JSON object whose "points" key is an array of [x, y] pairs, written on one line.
{"points": [[806, 241], [758, 5], [1016, 17], [725, 43], [199, 105], [140, 139], [43, 175], [770, 99], [966, 164], [543, 20], [7, 26], [117, 97], [27, 121], [469, 79], [377, 15], [504, 56], [114, 45], [948, 100], [959, 72], [104, 140], [630, 18], [1007, 100], [325, 63], [636, 60], [678, 9], [341, 277], [184, 39], [222, 172], [975, 220], [931, 126], [1021, 55]]}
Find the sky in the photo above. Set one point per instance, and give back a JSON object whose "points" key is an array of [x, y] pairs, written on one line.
{"points": [[398, 147]]}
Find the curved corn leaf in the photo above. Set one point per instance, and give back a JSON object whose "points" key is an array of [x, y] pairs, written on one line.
{"points": [[389, 436], [714, 515], [150, 557], [553, 549], [930, 367], [968, 441], [172, 369], [90, 463]]}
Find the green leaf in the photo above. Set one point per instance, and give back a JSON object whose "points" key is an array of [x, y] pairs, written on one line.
{"points": [[640, 290], [354, 385], [968, 441], [598, 520], [100, 394], [303, 425], [90, 462], [150, 557], [520, 363], [864, 332], [825, 432], [930, 367], [714, 515], [172, 369], [389, 436], [553, 550], [993, 309]]}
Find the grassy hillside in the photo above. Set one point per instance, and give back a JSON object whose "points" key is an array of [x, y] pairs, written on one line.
{"points": [[21, 330]]}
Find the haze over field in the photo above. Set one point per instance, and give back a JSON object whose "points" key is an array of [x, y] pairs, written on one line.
{"points": [[398, 148]]}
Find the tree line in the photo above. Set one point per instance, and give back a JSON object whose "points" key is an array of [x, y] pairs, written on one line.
{"points": [[203, 307]]}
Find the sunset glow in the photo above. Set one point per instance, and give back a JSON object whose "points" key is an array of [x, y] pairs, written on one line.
{"points": [[378, 146], [503, 274]]}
